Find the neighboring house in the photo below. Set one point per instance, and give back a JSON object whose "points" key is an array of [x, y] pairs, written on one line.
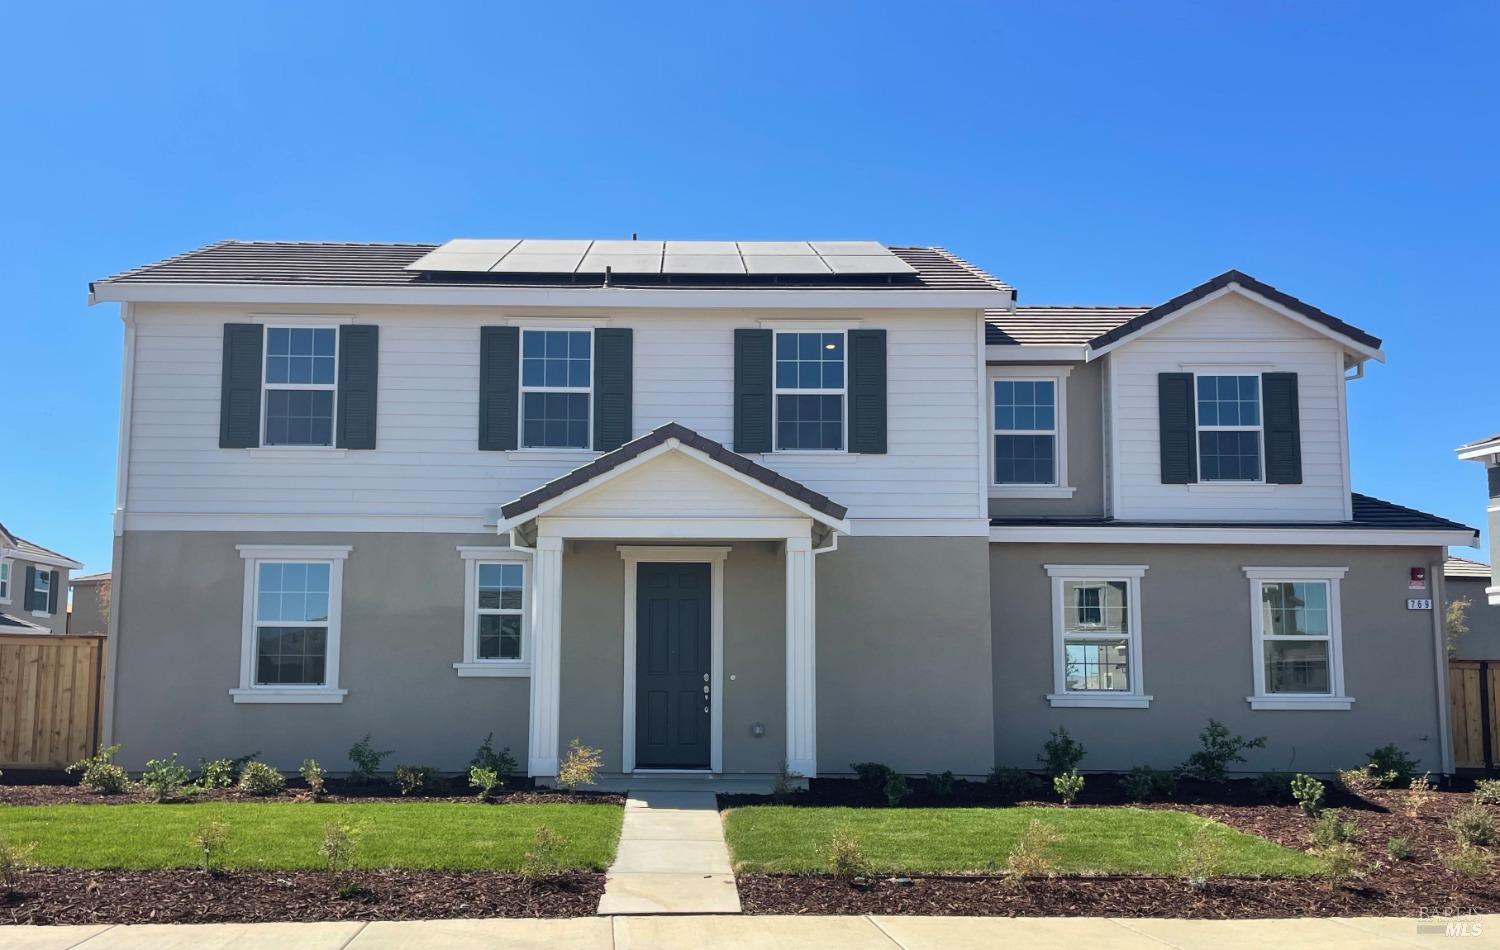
{"points": [[715, 507], [88, 611], [1464, 579], [1487, 451], [33, 586]]}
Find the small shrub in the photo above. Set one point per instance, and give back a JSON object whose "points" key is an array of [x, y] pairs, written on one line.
{"points": [[1400, 849], [1145, 784], [1067, 786], [1419, 795], [1061, 752], [339, 845], [940, 784], [14, 862], [1201, 858], [1220, 750], [483, 779], [502, 763], [366, 761], [1308, 793], [1330, 829], [1342, 862], [1487, 791], [210, 839], [1358, 782], [1275, 787], [1392, 767], [1467, 861], [1031, 857], [98, 772], [1473, 825], [544, 858], [165, 778], [312, 774], [1014, 784], [580, 766], [846, 856], [874, 776], [258, 778], [216, 773], [783, 785], [414, 779], [897, 791]]}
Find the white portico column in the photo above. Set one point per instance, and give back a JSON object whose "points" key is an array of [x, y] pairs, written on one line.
{"points": [[801, 659], [545, 646]]}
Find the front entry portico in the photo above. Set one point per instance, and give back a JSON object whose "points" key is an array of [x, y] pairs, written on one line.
{"points": [[675, 505]]}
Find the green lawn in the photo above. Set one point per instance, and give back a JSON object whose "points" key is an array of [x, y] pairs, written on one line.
{"points": [[285, 835], [956, 840]]}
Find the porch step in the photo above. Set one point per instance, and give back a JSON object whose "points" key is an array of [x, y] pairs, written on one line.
{"points": [[672, 857], [747, 784]]}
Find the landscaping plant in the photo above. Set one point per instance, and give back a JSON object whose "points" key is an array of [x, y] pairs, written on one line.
{"points": [[1343, 862], [874, 776], [1330, 829], [940, 784], [100, 774], [1014, 784], [483, 779], [1392, 767], [165, 778], [544, 858], [258, 778], [1473, 825], [1419, 795], [1201, 858], [1061, 752], [411, 779], [1031, 856], [339, 845], [1467, 861], [1275, 787], [502, 763], [1220, 749], [312, 774], [783, 788], [580, 766], [366, 761], [1067, 786], [896, 790], [210, 839], [1487, 791], [14, 862], [1308, 793], [846, 856], [1400, 849], [216, 773], [1145, 784], [1358, 782]]}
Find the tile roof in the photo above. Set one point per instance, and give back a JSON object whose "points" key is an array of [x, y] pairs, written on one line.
{"points": [[1463, 567], [672, 430], [89, 578], [1053, 326], [24, 547], [9, 624], [384, 265]]}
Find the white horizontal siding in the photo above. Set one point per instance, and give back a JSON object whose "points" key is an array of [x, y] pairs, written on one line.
{"points": [[1231, 334], [427, 465]]}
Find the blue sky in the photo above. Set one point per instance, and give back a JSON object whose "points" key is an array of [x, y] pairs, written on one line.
{"points": [[1085, 152]]}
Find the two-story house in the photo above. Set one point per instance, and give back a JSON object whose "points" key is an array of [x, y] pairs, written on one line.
{"points": [[33, 586], [716, 506], [1487, 452]]}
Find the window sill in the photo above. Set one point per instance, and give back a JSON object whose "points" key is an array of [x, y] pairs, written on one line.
{"points": [[1300, 702], [557, 455], [296, 452], [1232, 488], [480, 668], [271, 694], [1032, 491], [40, 613], [1081, 701]]}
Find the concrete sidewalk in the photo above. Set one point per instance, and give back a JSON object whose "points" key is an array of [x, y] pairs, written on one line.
{"points": [[672, 858], [774, 933]]}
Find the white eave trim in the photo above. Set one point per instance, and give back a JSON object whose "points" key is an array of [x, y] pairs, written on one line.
{"points": [[1021, 353], [1356, 537], [51, 560], [496, 296], [1485, 451]]}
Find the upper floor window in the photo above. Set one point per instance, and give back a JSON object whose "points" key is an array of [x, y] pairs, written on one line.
{"points": [[1296, 630], [5, 581], [1229, 428], [810, 388], [556, 388], [1025, 431], [1096, 635], [300, 384], [41, 591]]}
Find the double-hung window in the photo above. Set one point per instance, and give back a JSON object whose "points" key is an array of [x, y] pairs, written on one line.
{"points": [[41, 592], [292, 624], [556, 388], [495, 605], [1229, 428], [1096, 636], [1028, 447], [4, 582], [810, 388], [301, 383], [1296, 628]]}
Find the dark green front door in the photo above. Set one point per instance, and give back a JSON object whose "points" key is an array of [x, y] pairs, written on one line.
{"points": [[672, 663]]}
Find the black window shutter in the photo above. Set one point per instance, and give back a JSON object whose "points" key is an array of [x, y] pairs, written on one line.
{"points": [[359, 369], [612, 388], [1178, 416], [1283, 428], [28, 602], [239, 396], [499, 387], [867, 399], [54, 582], [752, 390]]}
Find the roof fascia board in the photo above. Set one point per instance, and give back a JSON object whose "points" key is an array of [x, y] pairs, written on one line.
{"points": [[1021, 353], [51, 560], [1352, 346], [1486, 451], [653, 297], [1353, 537]]}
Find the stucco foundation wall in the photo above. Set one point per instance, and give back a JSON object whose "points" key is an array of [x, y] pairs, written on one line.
{"points": [[180, 597], [1196, 646], [903, 655]]}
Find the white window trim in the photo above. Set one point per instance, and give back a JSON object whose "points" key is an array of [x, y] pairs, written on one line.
{"points": [[471, 664], [37, 576], [842, 392], [1061, 696], [1338, 699], [7, 566], [266, 387], [1058, 376], [521, 445], [1230, 484], [329, 692]]}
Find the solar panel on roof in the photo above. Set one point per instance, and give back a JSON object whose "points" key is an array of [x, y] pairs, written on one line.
{"points": [[769, 258], [620, 263]]}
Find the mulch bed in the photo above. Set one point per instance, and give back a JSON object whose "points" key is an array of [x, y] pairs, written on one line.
{"points": [[140, 897], [1420, 885], [338, 791]]}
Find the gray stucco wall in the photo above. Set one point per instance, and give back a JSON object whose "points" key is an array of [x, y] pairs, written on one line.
{"points": [[1482, 642], [1196, 649], [904, 655], [88, 615], [56, 622], [1084, 431]]}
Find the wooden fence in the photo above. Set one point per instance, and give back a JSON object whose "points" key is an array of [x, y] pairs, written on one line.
{"points": [[50, 699]]}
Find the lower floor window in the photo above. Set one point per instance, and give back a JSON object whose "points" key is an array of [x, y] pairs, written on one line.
{"points": [[1295, 631], [500, 611], [291, 624], [1096, 629]]}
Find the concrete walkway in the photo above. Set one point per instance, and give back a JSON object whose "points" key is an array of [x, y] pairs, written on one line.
{"points": [[770, 933], [672, 858]]}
